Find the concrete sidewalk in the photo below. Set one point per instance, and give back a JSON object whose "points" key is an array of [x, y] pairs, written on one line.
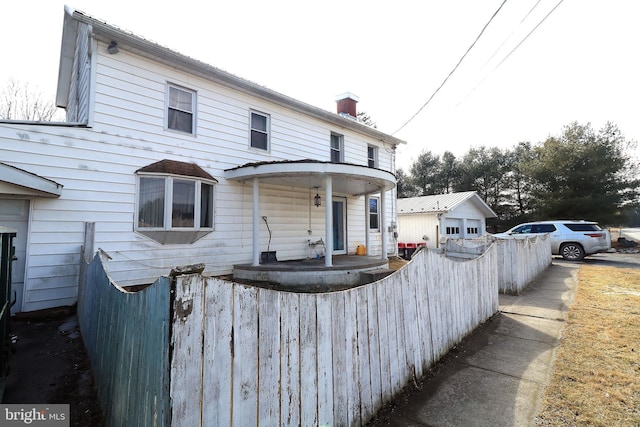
{"points": [[496, 376]]}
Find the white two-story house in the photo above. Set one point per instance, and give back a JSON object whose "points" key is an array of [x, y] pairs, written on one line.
{"points": [[168, 161]]}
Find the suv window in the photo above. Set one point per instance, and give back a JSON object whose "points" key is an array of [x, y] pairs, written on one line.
{"points": [[523, 229], [543, 228], [583, 227]]}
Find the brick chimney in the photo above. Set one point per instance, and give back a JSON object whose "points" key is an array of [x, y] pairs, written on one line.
{"points": [[346, 104]]}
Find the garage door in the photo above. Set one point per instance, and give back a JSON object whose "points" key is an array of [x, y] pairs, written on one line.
{"points": [[15, 214], [474, 228]]}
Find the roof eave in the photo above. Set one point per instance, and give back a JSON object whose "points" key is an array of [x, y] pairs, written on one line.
{"points": [[67, 52], [24, 179]]}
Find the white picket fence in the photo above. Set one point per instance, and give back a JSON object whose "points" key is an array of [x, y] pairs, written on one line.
{"points": [[249, 356], [520, 260]]}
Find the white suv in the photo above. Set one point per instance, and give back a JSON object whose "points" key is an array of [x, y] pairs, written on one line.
{"points": [[572, 239]]}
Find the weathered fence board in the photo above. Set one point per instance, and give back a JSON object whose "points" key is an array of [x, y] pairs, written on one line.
{"points": [[126, 335], [187, 335], [520, 259], [325, 360], [218, 354], [269, 357], [309, 390], [245, 356], [373, 332]]}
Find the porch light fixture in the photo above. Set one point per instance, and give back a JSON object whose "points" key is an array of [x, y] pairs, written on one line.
{"points": [[317, 199]]}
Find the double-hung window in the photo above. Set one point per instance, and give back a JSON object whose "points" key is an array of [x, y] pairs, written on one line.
{"points": [[374, 213], [181, 109], [372, 156], [259, 131], [337, 148]]}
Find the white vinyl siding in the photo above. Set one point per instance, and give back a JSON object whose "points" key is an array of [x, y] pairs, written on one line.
{"points": [[97, 168]]}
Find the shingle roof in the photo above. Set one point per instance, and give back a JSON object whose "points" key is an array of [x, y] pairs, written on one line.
{"points": [[442, 203], [174, 167]]}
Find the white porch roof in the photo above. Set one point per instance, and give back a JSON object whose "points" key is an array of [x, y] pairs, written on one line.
{"points": [[342, 178], [349, 179]]}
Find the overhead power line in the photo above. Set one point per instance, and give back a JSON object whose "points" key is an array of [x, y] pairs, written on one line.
{"points": [[512, 33], [530, 32], [512, 50], [454, 69]]}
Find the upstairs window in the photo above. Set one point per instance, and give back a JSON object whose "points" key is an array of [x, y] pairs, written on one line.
{"points": [[175, 202], [337, 148], [374, 214], [259, 131], [181, 107], [372, 156]]}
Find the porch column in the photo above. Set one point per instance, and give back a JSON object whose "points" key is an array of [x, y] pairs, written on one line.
{"points": [[383, 222], [328, 221], [256, 215], [367, 222]]}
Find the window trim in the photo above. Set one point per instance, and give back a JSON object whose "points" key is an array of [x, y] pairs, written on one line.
{"points": [[340, 149], [193, 111], [167, 225], [267, 132]]}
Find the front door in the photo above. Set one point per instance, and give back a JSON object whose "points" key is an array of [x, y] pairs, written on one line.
{"points": [[339, 225]]}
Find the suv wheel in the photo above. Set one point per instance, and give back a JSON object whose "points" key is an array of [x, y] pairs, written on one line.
{"points": [[572, 252]]}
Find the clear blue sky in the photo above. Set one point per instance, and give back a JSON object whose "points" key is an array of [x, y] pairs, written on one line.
{"points": [[579, 65]]}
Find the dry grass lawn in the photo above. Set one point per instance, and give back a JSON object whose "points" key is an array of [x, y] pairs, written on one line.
{"points": [[596, 375]]}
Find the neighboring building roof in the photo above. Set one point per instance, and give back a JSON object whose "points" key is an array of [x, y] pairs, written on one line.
{"points": [[442, 203], [129, 42]]}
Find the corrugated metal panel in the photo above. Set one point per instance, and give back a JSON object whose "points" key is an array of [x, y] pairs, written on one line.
{"points": [[435, 203], [441, 203]]}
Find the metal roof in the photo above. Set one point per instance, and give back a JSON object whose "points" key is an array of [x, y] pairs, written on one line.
{"points": [[347, 178], [442, 203]]}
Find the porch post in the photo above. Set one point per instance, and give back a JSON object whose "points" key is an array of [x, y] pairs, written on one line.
{"points": [[383, 222], [328, 221], [256, 215], [367, 222]]}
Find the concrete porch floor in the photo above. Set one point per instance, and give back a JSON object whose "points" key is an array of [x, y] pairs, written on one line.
{"points": [[311, 274]]}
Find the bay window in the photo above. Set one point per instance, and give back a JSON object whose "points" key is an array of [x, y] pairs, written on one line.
{"points": [[171, 207]]}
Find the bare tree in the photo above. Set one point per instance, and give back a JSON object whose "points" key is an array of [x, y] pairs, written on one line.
{"points": [[19, 102]]}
